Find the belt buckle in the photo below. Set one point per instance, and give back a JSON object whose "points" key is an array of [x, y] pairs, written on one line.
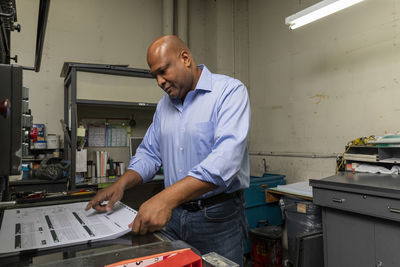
{"points": [[192, 205]]}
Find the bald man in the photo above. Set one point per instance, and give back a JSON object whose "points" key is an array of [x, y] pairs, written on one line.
{"points": [[199, 135]]}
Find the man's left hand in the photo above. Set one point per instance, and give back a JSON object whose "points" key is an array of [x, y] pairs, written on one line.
{"points": [[152, 216]]}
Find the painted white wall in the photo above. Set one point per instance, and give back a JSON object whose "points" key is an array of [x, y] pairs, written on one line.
{"points": [[100, 87], [218, 36], [317, 87], [93, 31]]}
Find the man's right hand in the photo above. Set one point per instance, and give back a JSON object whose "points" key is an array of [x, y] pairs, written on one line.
{"points": [[112, 193]]}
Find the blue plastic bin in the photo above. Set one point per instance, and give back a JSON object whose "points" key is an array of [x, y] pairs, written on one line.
{"points": [[258, 212]]}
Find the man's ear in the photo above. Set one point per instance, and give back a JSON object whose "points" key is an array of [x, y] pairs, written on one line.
{"points": [[186, 58]]}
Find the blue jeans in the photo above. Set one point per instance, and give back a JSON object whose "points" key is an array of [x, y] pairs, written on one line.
{"points": [[219, 228]]}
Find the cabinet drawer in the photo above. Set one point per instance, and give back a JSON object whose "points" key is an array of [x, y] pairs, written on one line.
{"points": [[360, 203]]}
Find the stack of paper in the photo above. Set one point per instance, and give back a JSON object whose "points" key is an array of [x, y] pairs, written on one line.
{"points": [[300, 188], [61, 225], [361, 157]]}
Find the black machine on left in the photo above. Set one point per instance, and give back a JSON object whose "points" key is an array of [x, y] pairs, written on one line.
{"points": [[10, 101], [10, 124], [15, 117]]}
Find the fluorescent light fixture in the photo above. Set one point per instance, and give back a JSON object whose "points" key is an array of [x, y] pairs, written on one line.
{"points": [[317, 11]]}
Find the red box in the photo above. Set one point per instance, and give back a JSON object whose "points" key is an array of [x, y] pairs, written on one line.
{"points": [[177, 258]]}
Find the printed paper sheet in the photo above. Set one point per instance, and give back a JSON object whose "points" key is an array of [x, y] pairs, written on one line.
{"points": [[60, 225]]}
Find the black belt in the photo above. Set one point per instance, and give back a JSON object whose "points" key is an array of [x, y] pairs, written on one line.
{"points": [[196, 205]]}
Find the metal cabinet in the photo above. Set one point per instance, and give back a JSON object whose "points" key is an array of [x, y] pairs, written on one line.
{"points": [[360, 215], [348, 239], [387, 240]]}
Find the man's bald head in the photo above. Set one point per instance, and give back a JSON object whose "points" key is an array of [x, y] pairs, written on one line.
{"points": [[171, 63], [167, 44]]}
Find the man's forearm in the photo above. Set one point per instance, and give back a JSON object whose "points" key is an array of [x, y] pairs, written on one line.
{"points": [[129, 179], [184, 190]]}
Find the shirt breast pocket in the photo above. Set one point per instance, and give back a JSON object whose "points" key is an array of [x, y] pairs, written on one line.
{"points": [[203, 138]]}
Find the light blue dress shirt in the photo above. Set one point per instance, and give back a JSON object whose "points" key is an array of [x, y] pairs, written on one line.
{"points": [[205, 137]]}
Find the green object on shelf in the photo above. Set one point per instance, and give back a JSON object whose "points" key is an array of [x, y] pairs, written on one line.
{"points": [[388, 145], [104, 185]]}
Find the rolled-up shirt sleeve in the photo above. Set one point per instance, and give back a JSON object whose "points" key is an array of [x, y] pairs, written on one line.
{"points": [[223, 164], [147, 159]]}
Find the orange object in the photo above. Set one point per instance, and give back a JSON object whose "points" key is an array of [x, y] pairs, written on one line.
{"points": [[183, 259], [82, 193], [177, 258]]}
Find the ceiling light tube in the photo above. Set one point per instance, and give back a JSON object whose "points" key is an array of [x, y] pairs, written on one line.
{"points": [[317, 11]]}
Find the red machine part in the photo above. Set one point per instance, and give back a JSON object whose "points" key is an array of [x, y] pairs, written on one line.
{"points": [[33, 134]]}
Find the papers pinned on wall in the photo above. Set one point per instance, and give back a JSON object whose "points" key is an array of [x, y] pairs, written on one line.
{"points": [[97, 135], [107, 136]]}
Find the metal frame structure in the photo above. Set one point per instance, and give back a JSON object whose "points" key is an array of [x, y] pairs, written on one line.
{"points": [[69, 73], [44, 7], [8, 16]]}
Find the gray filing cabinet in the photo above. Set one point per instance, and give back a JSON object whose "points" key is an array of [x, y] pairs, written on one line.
{"points": [[361, 219]]}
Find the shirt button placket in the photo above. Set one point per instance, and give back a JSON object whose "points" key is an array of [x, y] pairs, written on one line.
{"points": [[181, 148]]}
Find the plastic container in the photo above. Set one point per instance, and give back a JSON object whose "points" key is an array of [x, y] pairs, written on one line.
{"points": [[40, 130], [25, 171], [53, 141], [301, 217], [40, 145], [258, 212], [266, 244], [213, 259]]}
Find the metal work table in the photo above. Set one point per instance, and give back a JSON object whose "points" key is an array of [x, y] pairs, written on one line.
{"points": [[360, 215], [274, 194]]}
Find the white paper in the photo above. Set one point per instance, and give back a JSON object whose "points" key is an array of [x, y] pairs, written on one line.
{"points": [[377, 169], [61, 225], [300, 188], [81, 160]]}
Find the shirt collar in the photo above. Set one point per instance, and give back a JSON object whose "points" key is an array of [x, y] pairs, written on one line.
{"points": [[203, 84], [205, 81]]}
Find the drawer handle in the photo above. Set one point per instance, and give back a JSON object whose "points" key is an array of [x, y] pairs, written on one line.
{"points": [[393, 210], [338, 200]]}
